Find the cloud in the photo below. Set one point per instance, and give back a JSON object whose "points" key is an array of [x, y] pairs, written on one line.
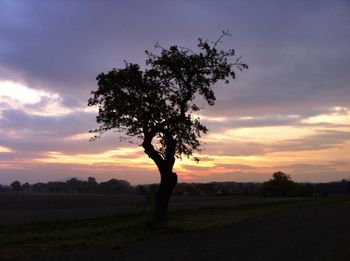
{"points": [[320, 141], [30, 133], [4, 149], [57, 126]]}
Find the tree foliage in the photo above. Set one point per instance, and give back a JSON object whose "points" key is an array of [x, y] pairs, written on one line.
{"points": [[159, 102]]}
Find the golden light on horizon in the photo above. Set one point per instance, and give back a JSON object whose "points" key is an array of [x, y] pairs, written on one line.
{"points": [[135, 157], [280, 145]]}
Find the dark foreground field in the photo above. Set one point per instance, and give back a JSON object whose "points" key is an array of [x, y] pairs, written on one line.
{"points": [[306, 233], [235, 229], [28, 207]]}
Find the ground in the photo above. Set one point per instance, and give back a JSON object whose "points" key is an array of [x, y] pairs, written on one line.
{"points": [[28, 207], [221, 228], [319, 233]]}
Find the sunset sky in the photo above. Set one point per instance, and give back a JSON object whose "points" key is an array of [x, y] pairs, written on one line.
{"points": [[290, 111]]}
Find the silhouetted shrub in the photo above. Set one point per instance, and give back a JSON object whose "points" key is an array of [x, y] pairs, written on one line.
{"points": [[16, 186], [115, 186], [281, 185]]}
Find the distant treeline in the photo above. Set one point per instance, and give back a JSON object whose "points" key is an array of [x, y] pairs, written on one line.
{"points": [[280, 185], [74, 185], [218, 188]]}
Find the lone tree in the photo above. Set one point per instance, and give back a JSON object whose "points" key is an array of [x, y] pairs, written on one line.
{"points": [[157, 105], [281, 185]]}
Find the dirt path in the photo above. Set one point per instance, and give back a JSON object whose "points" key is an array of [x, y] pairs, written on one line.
{"points": [[309, 233]]}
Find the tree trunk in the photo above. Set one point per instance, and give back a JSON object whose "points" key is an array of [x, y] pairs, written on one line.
{"points": [[168, 179], [163, 194]]}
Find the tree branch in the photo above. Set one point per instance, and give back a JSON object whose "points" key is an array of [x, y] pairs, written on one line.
{"points": [[149, 148], [224, 34]]}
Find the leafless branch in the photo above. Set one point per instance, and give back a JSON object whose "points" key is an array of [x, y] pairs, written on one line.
{"points": [[157, 45], [224, 34]]}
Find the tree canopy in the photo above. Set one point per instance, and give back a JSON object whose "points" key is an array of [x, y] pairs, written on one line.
{"points": [[159, 102]]}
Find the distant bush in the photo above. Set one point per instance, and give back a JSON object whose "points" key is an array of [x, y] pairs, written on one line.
{"points": [[281, 185], [16, 186], [115, 186]]}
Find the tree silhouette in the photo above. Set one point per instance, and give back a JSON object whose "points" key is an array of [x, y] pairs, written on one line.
{"points": [[16, 186], [157, 105], [280, 185]]}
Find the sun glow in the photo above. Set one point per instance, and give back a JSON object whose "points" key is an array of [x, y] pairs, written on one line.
{"points": [[5, 150], [17, 92], [32, 101]]}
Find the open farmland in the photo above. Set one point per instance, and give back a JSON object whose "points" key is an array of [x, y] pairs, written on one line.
{"points": [[103, 227], [314, 233], [26, 207]]}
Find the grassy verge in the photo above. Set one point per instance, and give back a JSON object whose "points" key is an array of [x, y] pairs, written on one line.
{"points": [[55, 237]]}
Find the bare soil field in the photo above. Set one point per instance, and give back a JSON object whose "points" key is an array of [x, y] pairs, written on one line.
{"points": [[28, 207]]}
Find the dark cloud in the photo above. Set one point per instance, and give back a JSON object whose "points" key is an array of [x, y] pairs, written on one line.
{"points": [[55, 126], [32, 133], [296, 50], [262, 121]]}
